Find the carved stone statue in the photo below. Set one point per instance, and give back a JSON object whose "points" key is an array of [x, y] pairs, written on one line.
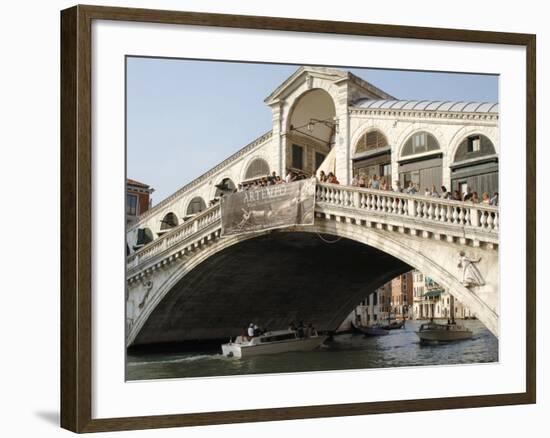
{"points": [[470, 274]]}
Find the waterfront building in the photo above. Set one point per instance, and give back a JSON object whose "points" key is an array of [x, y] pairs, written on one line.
{"points": [[401, 295], [374, 308], [419, 287], [138, 201], [432, 301]]}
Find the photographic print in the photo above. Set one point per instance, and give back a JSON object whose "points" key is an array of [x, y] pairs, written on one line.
{"points": [[296, 218]]}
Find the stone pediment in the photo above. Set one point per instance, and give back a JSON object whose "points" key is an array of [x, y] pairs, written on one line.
{"points": [[359, 86]]}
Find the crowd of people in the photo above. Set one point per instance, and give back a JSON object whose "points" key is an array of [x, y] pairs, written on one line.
{"points": [[371, 182], [381, 183], [301, 330]]}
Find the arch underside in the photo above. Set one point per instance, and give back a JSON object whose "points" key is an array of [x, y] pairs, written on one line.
{"points": [[270, 280]]}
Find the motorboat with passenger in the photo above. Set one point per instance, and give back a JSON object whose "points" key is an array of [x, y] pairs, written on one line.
{"points": [[278, 341], [433, 332]]}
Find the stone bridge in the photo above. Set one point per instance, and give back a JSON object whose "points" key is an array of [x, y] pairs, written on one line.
{"points": [[192, 284]]}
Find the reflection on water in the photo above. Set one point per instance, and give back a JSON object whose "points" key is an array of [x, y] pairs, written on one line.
{"points": [[399, 348]]}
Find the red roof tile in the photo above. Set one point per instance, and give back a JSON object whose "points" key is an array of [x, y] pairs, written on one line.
{"points": [[133, 182]]}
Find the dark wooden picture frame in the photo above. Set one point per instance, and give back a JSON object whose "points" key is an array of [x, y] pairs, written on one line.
{"points": [[76, 217]]}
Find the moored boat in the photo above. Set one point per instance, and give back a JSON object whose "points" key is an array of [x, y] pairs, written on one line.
{"points": [[432, 332], [371, 330], [393, 325], [280, 341]]}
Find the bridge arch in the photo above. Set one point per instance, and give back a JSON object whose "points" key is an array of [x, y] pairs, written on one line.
{"points": [[310, 126], [396, 248]]}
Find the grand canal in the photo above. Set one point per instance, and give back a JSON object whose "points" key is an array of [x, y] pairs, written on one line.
{"points": [[346, 351]]}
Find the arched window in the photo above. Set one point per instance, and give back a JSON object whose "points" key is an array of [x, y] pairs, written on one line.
{"points": [[419, 143], [474, 146], [169, 221], [258, 167], [371, 140], [196, 205], [224, 187], [145, 236]]}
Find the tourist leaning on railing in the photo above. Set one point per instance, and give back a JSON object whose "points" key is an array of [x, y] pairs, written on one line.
{"points": [[331, 179], [444, 193]]}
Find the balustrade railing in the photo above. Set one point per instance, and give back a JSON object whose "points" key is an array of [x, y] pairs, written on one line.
{"points": [[463, 214], [417, 207], [178, 234]]}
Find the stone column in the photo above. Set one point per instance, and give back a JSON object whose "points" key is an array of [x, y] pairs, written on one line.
{"points": [[342, 144], [278, 163]]}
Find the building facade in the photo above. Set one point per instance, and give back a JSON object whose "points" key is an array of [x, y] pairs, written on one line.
{"points": [[138, 200], [402, 295], [432, 301]]}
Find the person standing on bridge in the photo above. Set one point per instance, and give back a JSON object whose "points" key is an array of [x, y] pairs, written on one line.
{"points": [[411, 190], [332, 179]]}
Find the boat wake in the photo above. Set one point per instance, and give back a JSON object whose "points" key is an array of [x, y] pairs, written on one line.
{"points": [[186, 359]]}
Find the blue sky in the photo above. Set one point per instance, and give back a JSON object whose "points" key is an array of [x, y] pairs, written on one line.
{"points": [[185, 116]]}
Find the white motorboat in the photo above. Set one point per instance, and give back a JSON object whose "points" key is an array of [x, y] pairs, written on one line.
{"points": [[432, 332], [280, 341]]}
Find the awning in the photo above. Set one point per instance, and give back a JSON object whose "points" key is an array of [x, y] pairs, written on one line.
{"points": [[434, 293]]}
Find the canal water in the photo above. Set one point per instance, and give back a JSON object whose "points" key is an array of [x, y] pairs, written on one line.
{"points": [[346, 351]]}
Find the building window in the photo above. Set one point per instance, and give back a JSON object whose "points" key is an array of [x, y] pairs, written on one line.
{"points": [[419, 143], [145, 236], [413, 176], [474, 144], [196, 205], [319, 158], [169, 221], [131, 204], [297, 157], [258, 167], [371, 140]]}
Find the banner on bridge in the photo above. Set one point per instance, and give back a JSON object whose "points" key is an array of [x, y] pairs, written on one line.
{"points": [[266, 208]]}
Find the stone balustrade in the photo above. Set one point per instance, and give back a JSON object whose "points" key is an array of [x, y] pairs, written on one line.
{"points": [[416, 211], [178, 234], [433, 210]]}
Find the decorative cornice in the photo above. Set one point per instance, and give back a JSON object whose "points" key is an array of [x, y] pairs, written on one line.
{"points": [[494, 117]]}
